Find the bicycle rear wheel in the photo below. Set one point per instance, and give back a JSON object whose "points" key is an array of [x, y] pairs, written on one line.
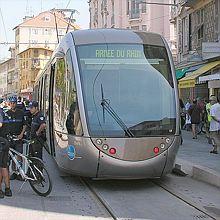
{"points": [[43, 185]]}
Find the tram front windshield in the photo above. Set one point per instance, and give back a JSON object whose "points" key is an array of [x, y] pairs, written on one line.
{"points": [[128, 90]]}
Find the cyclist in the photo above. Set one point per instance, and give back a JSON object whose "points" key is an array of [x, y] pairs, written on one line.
{"points": [[38, 132], [16, 125], [4, 162]]}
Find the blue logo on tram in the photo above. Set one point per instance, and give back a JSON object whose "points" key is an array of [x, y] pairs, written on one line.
{"points": [[71, 152]]}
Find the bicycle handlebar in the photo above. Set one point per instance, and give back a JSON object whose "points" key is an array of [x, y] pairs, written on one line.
{"points": [[15, 138]]}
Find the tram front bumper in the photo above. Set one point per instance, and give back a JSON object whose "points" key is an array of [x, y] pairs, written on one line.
{"points": [[112, 168]]}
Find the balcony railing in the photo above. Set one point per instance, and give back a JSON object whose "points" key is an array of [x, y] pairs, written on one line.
{"points": [[35, 63]]}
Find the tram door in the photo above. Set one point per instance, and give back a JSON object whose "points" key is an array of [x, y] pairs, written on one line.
{"points": [[44, 103], [50, 111]]}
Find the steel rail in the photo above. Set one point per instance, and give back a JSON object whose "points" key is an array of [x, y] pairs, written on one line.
{"points": [[99, 198], [183, 198], [158, 183]]}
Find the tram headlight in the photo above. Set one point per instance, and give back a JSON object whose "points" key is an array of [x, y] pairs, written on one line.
{"points": [[167, 140], [162, 146], [105, 147], [99, 141]]}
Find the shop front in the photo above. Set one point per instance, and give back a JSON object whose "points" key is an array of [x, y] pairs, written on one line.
{"points": [[213, 81], [191, 87]]}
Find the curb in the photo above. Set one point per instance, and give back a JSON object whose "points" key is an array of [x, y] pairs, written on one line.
{"points": [[198, 172]]}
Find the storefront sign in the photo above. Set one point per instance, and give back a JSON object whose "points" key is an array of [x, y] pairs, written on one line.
{"points": [[214, 84], [187, 84], [209, 77], [210, 50]]}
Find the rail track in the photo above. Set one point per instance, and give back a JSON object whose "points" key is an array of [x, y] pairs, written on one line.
{"points": [[201, 213]]}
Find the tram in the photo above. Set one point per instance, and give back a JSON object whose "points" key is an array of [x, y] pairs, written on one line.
{"points": [[111, 102]]}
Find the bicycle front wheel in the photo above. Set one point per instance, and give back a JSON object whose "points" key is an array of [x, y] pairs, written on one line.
{"points": [[43, 185]]}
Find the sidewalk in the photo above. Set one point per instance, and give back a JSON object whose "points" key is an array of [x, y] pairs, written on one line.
{"points": [[195, 159]]}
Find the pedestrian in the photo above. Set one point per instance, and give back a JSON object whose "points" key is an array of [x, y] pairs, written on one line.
{"points": [[182, 113], [4, 161], [208, 119], [38, 130], [215, 124], [188, 118], [16, 125], [195, 113]]}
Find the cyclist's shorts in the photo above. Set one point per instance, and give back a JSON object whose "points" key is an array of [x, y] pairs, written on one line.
{"points": [[4, 161], [4, 147]]}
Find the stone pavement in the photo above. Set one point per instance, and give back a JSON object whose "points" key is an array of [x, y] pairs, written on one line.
{"points": [[195, 159]]}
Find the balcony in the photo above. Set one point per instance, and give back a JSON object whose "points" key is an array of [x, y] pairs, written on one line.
{"points": [[35, 64]]}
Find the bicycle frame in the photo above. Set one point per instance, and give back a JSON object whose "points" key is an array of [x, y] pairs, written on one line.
{"points": [[12, 153]]}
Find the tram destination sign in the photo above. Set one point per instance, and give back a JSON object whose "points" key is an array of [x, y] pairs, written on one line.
{"points": [[119, 54]]}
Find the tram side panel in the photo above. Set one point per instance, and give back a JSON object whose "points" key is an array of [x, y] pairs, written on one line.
{"points": [[74, 155]]}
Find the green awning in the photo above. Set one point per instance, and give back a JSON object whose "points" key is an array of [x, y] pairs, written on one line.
{"points": [[180, 73]]}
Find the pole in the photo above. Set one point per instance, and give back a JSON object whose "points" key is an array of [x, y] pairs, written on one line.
{"points": [[156, 3], [56, 26]]}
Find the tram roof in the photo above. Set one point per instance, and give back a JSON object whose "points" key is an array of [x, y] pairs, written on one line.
{"points": [[94, 36]]}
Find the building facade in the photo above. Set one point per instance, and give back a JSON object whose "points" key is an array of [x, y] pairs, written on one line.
{"points": [[31, 62], [197, 26], [3, 78], [8, 79], [12, 77], [42, 31], [133, 14]]}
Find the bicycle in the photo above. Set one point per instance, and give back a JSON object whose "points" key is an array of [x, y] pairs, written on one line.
{"points": [[34, 170]]}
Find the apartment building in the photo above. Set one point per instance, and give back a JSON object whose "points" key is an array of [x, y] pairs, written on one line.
{"points": [[12, 77], [133, 14], [198, 42], [31, 62], [8, 79], [3, 78], [42, 31]]}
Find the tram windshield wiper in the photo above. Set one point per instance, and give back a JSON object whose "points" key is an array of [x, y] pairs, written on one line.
{"points": [[106, 106]]}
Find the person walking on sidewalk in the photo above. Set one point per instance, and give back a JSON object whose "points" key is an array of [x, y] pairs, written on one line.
{"points": [[208, 119], [188, 118], [215, 124], [195, 113]]}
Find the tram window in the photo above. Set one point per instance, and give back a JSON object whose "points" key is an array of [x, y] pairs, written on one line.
{"points": [[59, 94], [154, 51], [35, 96], [41, 93], [47, 83], [73, 120], [44, 94]]}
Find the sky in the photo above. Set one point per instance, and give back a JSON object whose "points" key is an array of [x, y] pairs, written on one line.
{"points": [[13, 11]]}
